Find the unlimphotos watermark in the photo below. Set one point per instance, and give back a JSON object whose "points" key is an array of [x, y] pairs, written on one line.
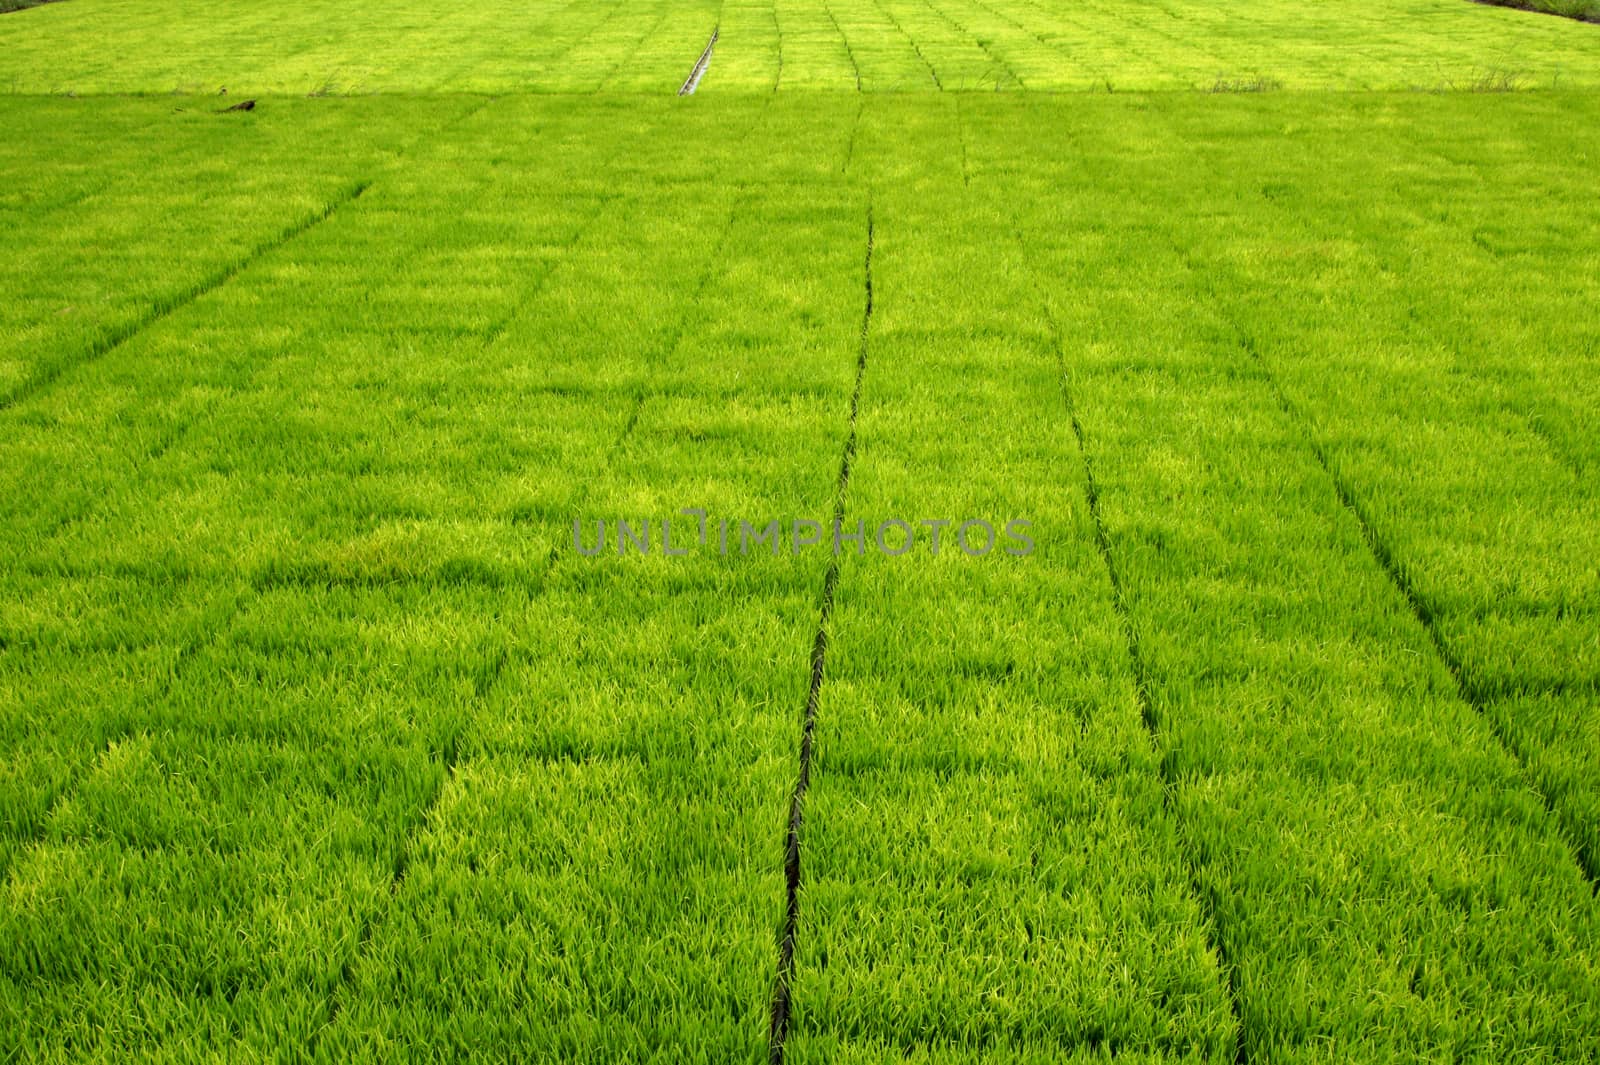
{"points": [[695, 532]]}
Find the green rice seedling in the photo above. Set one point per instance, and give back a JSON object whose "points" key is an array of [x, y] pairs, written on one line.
{"points": [[981, 755], [843, 45], [375, 681]]}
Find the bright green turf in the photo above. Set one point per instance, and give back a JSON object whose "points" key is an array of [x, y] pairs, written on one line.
{"points": [[322, 736], [300, 46], [318, 741]]}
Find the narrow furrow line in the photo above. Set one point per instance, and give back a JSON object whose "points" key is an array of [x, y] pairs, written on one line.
{"points": [[602, 201], [855, 129], [487, 682], [168, 305], [982, 47], [646, 393], [220, 625], [633, 50], [37, 214], [692, 82], [777, 32], [915, 47], [1035, 34], [848, 51], [559, 59], [783, 989], [450, 757], [173, 435], [1141, 684], [1474, 694], [1557, 449]]}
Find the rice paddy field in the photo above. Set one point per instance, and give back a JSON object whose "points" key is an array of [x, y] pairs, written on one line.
{"points": [[399, 661]]}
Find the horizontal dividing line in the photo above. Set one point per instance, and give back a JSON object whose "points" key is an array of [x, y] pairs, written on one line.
{"points": [[525, 91], [989, 1044], [283, 577], [692, 82], [1470, 692], [861, 766], [168, 305], [783, 989], [1141, 684], [469, 576]]}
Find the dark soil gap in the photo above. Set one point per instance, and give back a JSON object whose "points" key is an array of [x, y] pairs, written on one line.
{"points": [[1476, 694], [855, 67], [1205, 897], [167, 305], [782, 1000]]}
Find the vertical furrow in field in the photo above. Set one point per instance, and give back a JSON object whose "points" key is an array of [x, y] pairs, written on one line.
{"points": [[915, 46], [1216, 940], [782, 992], [961, 132], [855, 66], [855, 130], [777, 33], [487, 681], [983, 46], [1205, 900], [1469, 689]]}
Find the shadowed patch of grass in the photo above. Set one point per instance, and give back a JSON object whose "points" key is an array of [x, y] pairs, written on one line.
{"points": [[1582, 10]]}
